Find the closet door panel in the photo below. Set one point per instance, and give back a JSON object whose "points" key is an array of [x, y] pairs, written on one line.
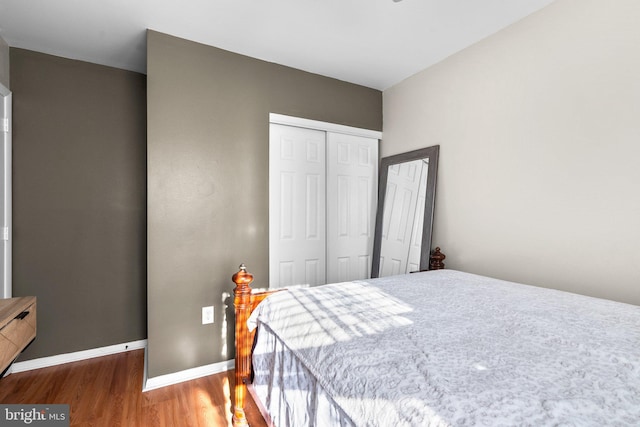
{"points": [[352, 185], [297, 219]]}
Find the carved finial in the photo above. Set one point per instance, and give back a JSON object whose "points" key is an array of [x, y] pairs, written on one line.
{"points": [[435, 260], [242, 279]]}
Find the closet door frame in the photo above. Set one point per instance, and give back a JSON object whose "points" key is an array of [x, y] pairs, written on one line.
{"points": [[281, 119], [6, 98], [320, 126]]}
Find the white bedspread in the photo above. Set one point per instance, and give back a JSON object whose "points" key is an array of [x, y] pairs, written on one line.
{"points": [[446, 348]]}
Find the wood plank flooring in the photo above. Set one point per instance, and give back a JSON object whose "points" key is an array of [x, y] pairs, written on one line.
{"points": [[107, 391]]}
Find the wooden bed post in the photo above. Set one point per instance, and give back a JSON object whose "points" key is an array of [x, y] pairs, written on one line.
{"points": [[245, 301], [435, 260], [242, 302]]}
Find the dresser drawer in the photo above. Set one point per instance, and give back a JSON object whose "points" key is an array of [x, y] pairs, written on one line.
{"points": [[8, 353], [21, 329], [17, 327]]}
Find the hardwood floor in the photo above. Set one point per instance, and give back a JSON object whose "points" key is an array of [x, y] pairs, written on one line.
{"points": [[107, 391]]}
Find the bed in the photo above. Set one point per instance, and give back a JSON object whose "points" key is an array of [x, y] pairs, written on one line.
{"points": [[436, 348]]}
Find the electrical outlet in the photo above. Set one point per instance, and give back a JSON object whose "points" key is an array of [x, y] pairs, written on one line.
{"points": [[207, 315]]}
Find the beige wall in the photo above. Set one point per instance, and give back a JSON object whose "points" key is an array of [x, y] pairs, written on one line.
{"points": [[208, 138], [4, 63], [539, 128]]}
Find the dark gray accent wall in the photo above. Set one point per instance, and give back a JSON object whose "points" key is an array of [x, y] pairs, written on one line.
{"points": [[208, 139], [79, 192]]}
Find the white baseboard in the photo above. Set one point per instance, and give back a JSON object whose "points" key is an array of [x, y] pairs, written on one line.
{"points": [[148, 383], [45, 362], [186, 375]]}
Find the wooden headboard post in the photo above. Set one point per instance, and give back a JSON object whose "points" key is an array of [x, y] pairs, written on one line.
{"points": [[245, 301], [242, 303]]}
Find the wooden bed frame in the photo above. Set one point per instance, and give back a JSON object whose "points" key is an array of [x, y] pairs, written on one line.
{"points": [[245, 302]]}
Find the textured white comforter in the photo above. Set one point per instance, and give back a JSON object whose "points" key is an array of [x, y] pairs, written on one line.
{"points": [[446, 348]]}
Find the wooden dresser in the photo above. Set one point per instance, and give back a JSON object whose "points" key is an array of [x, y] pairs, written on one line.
{"points": [[17, 327]]}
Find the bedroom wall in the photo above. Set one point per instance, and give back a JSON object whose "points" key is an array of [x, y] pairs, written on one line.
{"points": [[208, 136], [79, 176], [4, 63], [538, 127]]}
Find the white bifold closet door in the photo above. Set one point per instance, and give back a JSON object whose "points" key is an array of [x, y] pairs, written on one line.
{"points": [[297, 206], [322, 204], [352, 192]]}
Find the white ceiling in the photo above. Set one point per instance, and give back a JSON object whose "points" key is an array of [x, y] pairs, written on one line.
{"points": [[375, 43]]}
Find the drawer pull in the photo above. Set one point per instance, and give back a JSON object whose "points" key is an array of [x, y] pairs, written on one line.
{"points": [[22, 315]]}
